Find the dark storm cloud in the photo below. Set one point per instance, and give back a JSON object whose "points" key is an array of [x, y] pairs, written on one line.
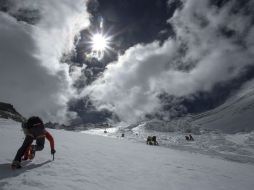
{"points": [[212, 45], [126, 20], [31, 75]]}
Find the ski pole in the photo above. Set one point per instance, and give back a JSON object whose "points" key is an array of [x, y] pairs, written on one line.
{"points": [[53, 156]]}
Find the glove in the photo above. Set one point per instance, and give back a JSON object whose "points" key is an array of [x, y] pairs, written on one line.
{"points": [[53, 151]]}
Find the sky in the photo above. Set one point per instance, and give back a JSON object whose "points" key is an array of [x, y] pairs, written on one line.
{"points": [[34, 35], [164, 58], [211, 50]]}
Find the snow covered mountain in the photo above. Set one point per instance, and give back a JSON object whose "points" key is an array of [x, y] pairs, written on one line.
{"points": [[93, 162], [235, 115], [225, 132]]}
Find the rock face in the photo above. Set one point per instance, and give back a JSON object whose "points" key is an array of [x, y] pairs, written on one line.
{"points": [[7, 111]]}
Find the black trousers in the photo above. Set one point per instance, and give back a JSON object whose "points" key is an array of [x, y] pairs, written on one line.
{"points": [[27, 142]]}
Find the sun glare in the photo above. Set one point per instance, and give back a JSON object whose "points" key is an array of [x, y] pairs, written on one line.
{"points": [[99, 42]]}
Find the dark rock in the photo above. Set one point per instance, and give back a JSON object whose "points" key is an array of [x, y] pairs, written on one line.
{"points": [[7, 111]]}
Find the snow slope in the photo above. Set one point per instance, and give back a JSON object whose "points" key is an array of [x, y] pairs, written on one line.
{"points": [[237, 147], [226, 131], [235, 115], [94, 162]]}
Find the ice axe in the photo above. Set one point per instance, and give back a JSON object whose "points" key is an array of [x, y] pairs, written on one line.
{"points": [[53, 154]]}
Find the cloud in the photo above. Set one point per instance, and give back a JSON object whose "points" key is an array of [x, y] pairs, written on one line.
{"points": [[211, 45], [31, 74]]}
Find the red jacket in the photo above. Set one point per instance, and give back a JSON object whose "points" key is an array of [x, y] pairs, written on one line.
{"points": [[48, 137]]}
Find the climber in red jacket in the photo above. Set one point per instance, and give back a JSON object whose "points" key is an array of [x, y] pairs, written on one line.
{"points": [[29, 152], [34, 130]]}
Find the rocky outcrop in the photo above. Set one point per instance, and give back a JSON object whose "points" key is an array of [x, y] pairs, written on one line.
{"points": [[7, 111]]}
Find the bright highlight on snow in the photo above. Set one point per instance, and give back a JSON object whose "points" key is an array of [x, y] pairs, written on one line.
{"points": [[100, 44]]}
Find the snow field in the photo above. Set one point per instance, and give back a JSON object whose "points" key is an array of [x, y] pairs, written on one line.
{"points": [[96, 163]]}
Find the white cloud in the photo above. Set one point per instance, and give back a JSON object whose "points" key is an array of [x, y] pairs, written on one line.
{"points": [[31, 75], [130, 86]]}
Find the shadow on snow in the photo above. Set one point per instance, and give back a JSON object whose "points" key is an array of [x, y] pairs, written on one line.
{"points": [[7, 172]]}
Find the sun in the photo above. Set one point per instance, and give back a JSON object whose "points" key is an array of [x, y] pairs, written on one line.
{"points": [[100, 44]]}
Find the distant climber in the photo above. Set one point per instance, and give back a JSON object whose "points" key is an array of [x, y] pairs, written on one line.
{"points": [[151, 140], [189, 138], [34, 130]]}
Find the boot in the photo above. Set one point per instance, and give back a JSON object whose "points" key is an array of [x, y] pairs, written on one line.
{"points": [[15, 165]]}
